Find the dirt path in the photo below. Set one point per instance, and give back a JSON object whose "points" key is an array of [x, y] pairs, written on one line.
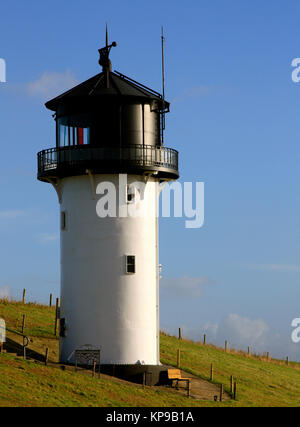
{"points": [[202, 389]]}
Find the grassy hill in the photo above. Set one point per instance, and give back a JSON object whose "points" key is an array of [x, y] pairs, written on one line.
{"points": [[260, 382]]}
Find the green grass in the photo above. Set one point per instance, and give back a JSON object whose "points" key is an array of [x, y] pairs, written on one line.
{"points": [[39, 319], [28, 383], [259, 382], [25, 383]]}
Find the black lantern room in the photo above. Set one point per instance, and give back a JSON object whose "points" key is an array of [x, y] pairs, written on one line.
{"points": [[108, 124]]}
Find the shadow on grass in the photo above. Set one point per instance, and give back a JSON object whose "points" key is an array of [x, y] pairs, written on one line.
{"points": [[12, 346]]}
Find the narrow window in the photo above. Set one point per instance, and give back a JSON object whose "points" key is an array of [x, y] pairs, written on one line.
{"points": [[130, 194], [80, 136], [73, 135], [130, 264], [62, 135], [86, 135], [63, 221]]}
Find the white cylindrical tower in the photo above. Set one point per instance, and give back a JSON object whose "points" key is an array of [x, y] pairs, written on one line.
{"points": [[107, 166], [109, 270]]}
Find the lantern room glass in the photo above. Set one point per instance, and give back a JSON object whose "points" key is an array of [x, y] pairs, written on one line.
{"points": [[70, 134]]}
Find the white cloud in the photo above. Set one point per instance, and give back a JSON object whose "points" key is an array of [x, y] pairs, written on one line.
{"points": [[184, 286], [51, 84], [211, 329], [4, 292], [242, 331]]}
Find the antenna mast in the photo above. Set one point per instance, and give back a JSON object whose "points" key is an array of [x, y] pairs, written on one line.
{"points": [[163, 84]]}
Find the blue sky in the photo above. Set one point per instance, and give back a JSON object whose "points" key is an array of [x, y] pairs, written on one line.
{"points": [[235, 121]]}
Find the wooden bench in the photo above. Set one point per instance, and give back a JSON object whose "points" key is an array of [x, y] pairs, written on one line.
{"points": [[175, 375]]}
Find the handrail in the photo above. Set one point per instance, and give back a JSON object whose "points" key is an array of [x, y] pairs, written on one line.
{"points": [[112, 148], [25, 339], [22, 335], [136, 156]]}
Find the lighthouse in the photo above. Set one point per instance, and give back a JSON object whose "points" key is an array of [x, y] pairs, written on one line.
{"points": [[108, 167]]}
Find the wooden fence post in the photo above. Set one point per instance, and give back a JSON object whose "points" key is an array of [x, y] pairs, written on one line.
{"points": [[179, 333], [226, 346], [235, 391], [231, 384], [50, 301], [287, 361], [178, 358], [249, 352], [46, 356], [211, 372], [204, 339], [24, 296], [56, 316], [221, 392], [23, 324], [24, 348], [188, 389]]}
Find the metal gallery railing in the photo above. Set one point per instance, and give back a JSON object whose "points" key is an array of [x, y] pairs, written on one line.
{"points": [[145, 156]]}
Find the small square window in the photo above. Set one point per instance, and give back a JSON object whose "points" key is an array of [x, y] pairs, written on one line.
{"points": [[130, 264]]}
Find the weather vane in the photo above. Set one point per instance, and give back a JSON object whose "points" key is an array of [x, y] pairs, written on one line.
{"points": [[104, 60]]}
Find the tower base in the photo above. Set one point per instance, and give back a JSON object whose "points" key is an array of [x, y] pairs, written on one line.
{"points": [[139, 374]]}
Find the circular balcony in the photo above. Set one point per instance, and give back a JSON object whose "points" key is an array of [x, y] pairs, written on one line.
{"points": [[136, 159]]}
